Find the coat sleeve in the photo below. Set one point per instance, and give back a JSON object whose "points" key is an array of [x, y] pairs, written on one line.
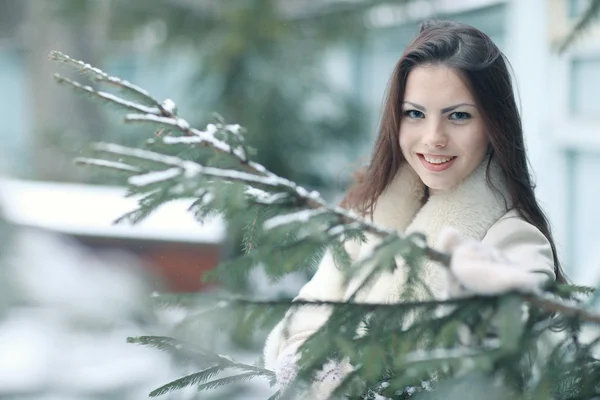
{"points": [[523, 245], [327, 284]]}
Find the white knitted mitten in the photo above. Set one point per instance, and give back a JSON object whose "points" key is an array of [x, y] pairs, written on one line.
{"points": [[476, 268]]}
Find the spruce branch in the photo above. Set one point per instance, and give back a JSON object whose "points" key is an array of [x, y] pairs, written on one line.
{"points": [[98, 75], [199, 353], [198, 137], [107, 97], [556, 306], [212, 363], [548, 305], [188, 380], [366, 307], [189, 169], [112, 165], [217, 383]]}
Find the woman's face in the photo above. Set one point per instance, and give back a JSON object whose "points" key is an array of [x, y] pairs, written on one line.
{"points": [[442, 133]]}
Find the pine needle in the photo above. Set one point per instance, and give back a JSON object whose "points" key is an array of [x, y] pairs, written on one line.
{"points": [[107, 97], [98, 75], [189, 380], [229, 380]]}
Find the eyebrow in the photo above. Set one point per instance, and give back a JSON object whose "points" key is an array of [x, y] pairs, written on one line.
{"points": [[443, 110]]}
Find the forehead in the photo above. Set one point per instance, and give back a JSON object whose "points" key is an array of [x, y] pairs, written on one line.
{"points": [[433, 84]]}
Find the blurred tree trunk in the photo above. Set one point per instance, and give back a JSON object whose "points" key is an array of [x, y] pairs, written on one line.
{"points": [[61, 122]]}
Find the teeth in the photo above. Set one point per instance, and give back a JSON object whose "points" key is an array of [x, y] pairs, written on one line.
{"points": [[434, 160]]}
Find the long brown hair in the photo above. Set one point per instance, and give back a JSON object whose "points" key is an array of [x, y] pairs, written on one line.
{"points": [[484, 68]]}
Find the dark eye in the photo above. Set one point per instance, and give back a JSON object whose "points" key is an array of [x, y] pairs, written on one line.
{"points": [[414, 114], [460, 116]]}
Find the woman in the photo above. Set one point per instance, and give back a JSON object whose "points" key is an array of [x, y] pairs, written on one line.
{"points": [[450, 153]]}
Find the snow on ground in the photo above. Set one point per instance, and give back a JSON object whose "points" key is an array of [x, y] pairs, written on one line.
{"points": [[65, 320], [65, 315], [65, 312], [91, 210]]}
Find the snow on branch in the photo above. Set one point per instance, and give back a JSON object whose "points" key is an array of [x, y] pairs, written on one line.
{"points": [[192, 169], [196, 136], [111, 98], [176, 122], [263, 197], [99, 75], [154, 177], [299, 216], [342, 229], [119, 166]]}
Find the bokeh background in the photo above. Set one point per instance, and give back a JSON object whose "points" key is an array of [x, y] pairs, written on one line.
{"points": [[305, 78]]}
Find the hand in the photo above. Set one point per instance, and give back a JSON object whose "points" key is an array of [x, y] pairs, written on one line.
{"points": [[476, 268]]}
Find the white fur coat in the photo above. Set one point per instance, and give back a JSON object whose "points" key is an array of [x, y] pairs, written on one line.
{"points": [[472, 208]]}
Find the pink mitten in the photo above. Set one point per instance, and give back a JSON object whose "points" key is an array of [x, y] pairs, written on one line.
{"points": [[480, 269]]}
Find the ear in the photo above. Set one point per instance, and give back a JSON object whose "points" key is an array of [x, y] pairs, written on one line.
{"points": [[448, 240]]}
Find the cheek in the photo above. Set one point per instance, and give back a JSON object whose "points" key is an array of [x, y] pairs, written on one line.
{"points": [[406, 138], [481, 143], [475, 141]]}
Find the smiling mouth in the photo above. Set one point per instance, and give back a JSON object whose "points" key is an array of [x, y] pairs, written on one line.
{"points": [[437, 163]]}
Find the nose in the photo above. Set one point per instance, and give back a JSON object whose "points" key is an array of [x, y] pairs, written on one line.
{"points": [[434, 136]]}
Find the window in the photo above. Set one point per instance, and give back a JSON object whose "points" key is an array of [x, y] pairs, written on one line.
{"points": [[13, 102], [585, 86]]}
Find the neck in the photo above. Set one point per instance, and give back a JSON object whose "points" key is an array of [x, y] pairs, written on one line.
{"points": [[432, 192]]}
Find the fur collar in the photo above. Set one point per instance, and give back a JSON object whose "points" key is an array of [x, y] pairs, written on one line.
{"points": [[471, 207]]}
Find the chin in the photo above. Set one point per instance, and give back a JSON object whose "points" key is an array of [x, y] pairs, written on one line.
{"points": [[439, 186]]}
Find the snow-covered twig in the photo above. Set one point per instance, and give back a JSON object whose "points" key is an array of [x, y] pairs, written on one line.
{"points": [[174, 122], [155, 177], [263, 197], [119, 166], [299, 216], [111, 98], [196, 136], [191, 169], [99, 75]]}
